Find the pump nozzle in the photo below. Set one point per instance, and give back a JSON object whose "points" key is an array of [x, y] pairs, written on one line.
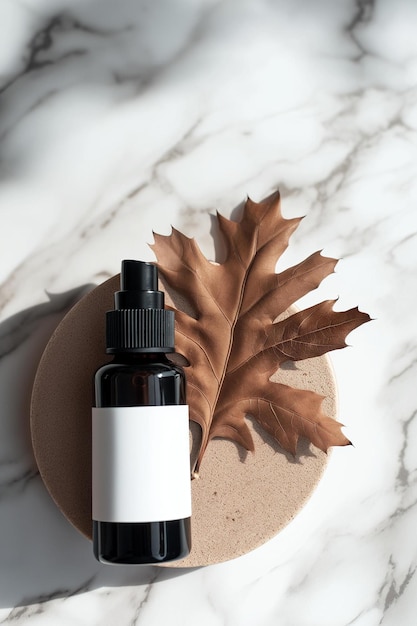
{"points": [[139, 287], [138, 276]]}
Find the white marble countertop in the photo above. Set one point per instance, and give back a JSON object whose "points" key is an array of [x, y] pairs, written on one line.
{"points": [[119, 118]]}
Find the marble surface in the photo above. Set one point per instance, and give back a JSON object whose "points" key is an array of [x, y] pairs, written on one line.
{"points": [[119, 118]]}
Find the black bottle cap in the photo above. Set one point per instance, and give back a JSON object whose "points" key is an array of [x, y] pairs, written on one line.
{"points": [[139, 322]]}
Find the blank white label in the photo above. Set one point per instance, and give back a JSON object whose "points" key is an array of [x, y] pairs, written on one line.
{"points": [[141, 464]]}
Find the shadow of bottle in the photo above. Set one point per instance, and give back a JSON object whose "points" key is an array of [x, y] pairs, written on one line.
{"points": [[42, 556]]}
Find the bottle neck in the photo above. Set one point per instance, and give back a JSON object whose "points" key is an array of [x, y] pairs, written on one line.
{"points": [[140, 357]]}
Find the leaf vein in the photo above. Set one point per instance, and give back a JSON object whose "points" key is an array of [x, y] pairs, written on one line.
{"points": [[180, 332]]}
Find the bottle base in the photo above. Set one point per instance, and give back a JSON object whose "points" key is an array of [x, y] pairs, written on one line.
{"points": [[144, 543]]}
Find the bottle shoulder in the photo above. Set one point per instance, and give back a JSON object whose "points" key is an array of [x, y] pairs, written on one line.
{"points": [[139, 384], [151, 368]]}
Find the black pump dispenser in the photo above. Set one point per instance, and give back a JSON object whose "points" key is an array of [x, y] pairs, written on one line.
{"points": [[139, 322]]}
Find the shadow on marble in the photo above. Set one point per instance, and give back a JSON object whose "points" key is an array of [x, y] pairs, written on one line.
{"points": [[42, 556]]}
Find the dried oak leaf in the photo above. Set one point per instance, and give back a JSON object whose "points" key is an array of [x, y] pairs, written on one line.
{"points": [[233, 344]]}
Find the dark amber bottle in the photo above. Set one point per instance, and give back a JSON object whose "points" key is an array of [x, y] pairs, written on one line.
{"points": [[141, 467]]}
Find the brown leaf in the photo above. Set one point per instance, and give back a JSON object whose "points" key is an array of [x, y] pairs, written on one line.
{"points": [[233, 343]]}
